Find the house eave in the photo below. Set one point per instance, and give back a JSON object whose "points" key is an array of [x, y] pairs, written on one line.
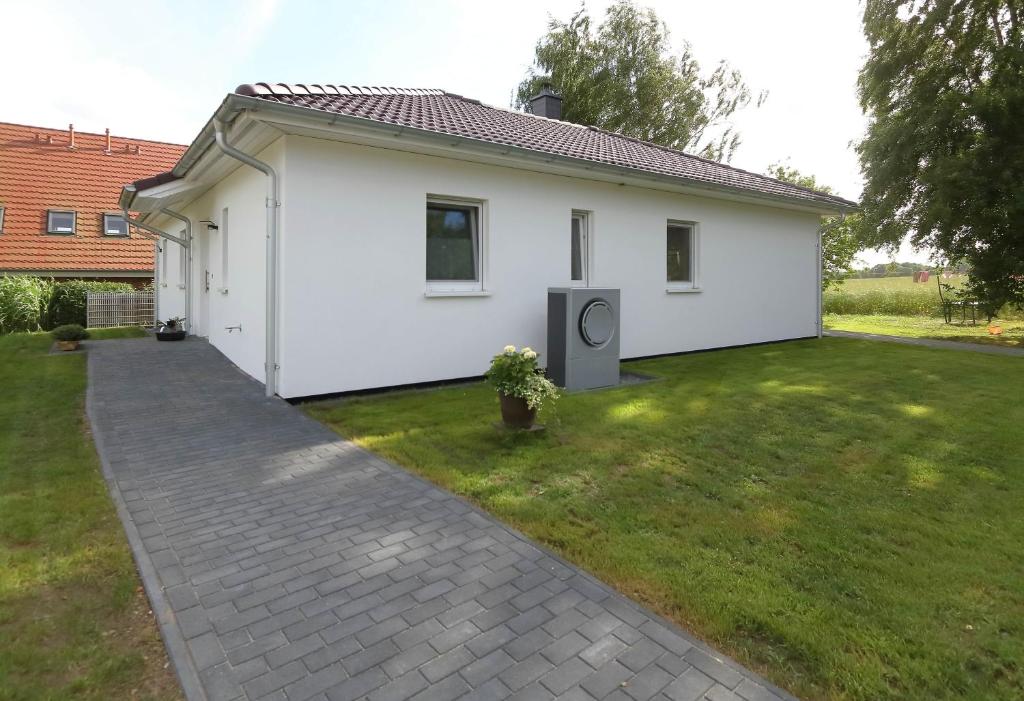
{"points": [[360, 130]]}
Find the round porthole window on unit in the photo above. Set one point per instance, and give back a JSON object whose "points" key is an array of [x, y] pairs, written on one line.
{"points": [[597, 323]]}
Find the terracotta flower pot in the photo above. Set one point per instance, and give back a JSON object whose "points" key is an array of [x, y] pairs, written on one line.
{"points": [[515, 412], [67, 345]]}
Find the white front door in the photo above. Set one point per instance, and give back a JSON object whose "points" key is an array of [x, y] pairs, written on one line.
{"points": [[202, 285]]}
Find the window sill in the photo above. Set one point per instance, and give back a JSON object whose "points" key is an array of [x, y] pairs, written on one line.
{"points": [[457, 293], [682, 290]]}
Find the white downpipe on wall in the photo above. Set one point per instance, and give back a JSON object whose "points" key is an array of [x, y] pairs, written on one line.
{"points": [[156, 282], [272, 205], [188, 267], [821, 281]]}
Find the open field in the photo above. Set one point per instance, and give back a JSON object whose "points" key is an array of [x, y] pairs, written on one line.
{"points": [[842, 515], [928, 327], [74, 622], [887, 295]]}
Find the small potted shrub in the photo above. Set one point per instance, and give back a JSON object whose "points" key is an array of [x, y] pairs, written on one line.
{"points": [[170, 330], [521, 386], [68, 336]]}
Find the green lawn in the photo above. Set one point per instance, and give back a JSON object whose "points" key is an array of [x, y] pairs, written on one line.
{"points": [[928, 327], [844, 516], [74, 622]]}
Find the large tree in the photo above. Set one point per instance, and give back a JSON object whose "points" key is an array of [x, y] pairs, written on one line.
{"points": [[943, 158], [623, 76], [841, 236]]}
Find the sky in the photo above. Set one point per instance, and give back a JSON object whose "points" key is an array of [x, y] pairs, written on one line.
{"points": [[157, 69]]}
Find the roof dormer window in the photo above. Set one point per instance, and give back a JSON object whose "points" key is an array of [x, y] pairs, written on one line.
{"points": [[60, 221], [114, 225]]}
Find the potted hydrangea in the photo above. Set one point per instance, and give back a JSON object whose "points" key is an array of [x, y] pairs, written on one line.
{"points": [[68, 336], [521, 386]]}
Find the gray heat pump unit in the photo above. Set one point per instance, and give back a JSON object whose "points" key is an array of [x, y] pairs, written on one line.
{"points": [[583, 337]]}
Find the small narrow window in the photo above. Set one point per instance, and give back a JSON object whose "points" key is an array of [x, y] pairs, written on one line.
{"points": [[225, 230], [162, 253], [60, 221], [579, 249], [182, 262], [453, 246], [3, 210], [681, 250], [114, 225]]}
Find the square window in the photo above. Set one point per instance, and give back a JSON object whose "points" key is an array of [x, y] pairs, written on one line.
{"points": [[453, 246], [114, 225], [60, 222], [680, 248]]}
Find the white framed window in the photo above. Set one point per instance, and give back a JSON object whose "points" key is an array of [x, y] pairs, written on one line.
{"points": [[454, 263], [682, 249], [579, 249], [60, 221], [114, 225], [225, 248]]}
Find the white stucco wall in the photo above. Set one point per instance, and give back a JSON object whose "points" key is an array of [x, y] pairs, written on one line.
{"points": [[238, 299], [354, 314]]}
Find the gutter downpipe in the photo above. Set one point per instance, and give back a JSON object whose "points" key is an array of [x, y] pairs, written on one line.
{"points": [[821, 281], [272, 204], [188, 264], [156, 283], [157, 234]]}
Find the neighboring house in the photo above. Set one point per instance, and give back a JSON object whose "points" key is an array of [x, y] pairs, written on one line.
{"points": [[418, 231], [58, 202]]}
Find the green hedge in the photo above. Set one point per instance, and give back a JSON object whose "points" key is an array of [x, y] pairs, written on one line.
{"points": [[32, 304], [68, 301]]}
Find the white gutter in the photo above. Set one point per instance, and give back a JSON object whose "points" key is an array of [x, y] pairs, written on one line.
{"points": [[158, 233], [188, 264], [272, 204]]}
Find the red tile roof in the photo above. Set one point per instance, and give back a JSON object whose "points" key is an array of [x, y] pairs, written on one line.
{"points": [[38, 171], [447, 113]]}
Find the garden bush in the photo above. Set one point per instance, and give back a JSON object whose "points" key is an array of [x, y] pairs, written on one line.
{"points": [[23, 302], [30, 303], [67, 304]]}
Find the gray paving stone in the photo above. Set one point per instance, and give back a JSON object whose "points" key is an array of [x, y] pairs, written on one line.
{"points": [[297, 566], [689, 686]]}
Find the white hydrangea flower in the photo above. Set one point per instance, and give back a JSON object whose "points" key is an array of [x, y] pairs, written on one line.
{"points": [[529, 353], [510, 349]]}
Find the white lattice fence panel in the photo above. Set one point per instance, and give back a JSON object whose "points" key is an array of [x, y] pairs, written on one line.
{"points": [[105, 309]]}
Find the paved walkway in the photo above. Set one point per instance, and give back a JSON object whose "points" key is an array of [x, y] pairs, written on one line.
{"points": [[284, 563], [930, 343]]}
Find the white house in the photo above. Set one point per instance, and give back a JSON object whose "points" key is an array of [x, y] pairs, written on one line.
{"points": [[389, 236]]}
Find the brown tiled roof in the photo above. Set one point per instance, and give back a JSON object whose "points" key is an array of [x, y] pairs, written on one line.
{"points": [[447, 113], [38, 172]]}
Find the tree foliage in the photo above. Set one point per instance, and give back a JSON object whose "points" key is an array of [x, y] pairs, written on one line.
{"points": [[623, 76], [841, 236], [943, 157]]}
